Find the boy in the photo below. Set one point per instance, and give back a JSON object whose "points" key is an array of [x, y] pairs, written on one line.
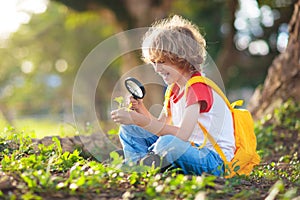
{"points": [[176, 49]]}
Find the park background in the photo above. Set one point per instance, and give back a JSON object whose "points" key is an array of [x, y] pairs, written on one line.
{"points": [[255, 45], [43, 43]]}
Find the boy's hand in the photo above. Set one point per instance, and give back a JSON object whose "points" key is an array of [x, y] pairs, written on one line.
{"points": [[123, 116], [136, 104]]}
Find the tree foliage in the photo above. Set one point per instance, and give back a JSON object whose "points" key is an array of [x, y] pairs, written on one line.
{"points": [[43, 57], [52, 46]]}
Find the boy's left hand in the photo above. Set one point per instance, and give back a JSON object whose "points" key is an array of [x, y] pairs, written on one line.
{"points": [[123, 116]]}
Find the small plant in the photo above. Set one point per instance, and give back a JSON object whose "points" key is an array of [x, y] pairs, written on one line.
{"points": [[277, 133], [288, 116], [121, 103], [115, 131], [36, 170]]}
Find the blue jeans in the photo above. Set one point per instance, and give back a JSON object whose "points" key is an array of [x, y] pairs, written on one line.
{"points": [[137, 142]]}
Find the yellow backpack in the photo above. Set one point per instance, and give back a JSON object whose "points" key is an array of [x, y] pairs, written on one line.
{"points": [[245, 156]]}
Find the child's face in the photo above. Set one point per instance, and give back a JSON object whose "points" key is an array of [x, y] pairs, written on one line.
{"points": [[168, 71]]}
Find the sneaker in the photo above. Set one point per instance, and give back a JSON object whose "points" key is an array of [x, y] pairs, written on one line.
{"points": [[120, 152], [151, 159]]}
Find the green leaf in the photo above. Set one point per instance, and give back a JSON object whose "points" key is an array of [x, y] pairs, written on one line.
{"points": [[81, 181], [58, 145], [119, 100], [236, 168]]}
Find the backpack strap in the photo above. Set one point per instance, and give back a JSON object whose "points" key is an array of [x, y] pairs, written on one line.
{"points": [[207, 81], [167, 99], [214, 143], [215, 87]]}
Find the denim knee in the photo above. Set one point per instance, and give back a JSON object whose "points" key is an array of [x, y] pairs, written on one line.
{"points": [[136, 139], [135, 131], [127, 129], [163, 142], [170, 144]]}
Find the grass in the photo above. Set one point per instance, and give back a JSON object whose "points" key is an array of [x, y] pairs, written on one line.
{"points": [[39, 128], [30, 171]]}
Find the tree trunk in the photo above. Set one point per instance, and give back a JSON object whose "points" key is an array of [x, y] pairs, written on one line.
{"points": [[283, 79], [228, 54]]}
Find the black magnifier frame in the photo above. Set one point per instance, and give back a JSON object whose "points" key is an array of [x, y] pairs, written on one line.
{"points": [[135, 88]]}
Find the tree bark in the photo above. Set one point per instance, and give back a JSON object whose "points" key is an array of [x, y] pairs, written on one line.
{"points": [[283, 79], [228, 55]]}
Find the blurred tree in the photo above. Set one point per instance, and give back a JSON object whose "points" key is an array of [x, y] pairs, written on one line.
{"points": [[228, 54], [283, 79], [249, 42], [39, 75], [124, 15], [257, 27], [134, 13], [42, 58], [128, 13]]}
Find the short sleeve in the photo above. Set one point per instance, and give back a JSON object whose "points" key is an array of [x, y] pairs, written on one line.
{"points": [[200, 92]]}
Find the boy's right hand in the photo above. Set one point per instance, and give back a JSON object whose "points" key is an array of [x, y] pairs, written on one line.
{"points": [[135, 104]]}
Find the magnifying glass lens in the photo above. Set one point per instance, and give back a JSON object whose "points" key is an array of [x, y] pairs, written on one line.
{"points": [[135, 88]]}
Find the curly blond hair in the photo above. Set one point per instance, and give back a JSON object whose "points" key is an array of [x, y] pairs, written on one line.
{"points": [[177, 40]]}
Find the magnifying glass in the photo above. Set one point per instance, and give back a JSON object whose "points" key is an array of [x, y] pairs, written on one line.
{"points": [[135, 87]]}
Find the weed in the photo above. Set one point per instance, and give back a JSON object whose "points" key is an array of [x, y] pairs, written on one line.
{"points": [[39, 170]]}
